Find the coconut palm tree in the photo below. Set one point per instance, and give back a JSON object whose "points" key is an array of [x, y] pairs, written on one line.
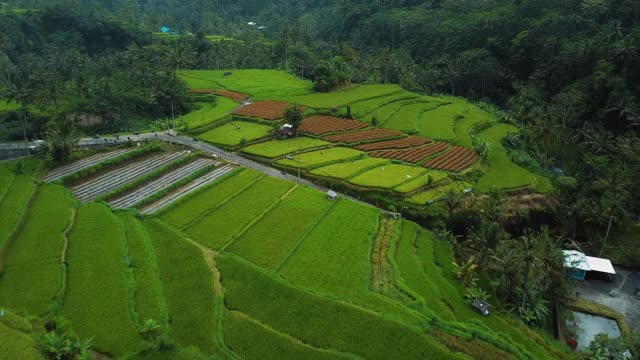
{"points": [[21, 93], [62, 138]]}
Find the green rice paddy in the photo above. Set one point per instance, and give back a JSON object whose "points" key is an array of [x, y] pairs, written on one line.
{"points": [[278, 148], [348, 169], [235, 132], [317, 158], [209, 112], [387, 176]]}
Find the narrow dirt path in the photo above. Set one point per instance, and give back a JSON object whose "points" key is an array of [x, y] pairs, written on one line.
{"points": [[65, 235]]}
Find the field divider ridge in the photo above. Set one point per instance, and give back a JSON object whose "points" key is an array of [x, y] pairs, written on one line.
{"points": [[6, 191], [231, 197], [4, 246], [63, 258], [304, 236], [258, 218]]}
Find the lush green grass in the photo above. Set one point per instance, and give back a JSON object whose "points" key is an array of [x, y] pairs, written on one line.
{"points": [[406, 118], [313, 159], [261, 84], [16, 345], [188, 287], [219, 38], [97, 297], [6, 179], [278, 148], [149, 299], [14, 203], [414, 276], [32, 274], [348, 169], [472, 116], [439, 192], [251, 339], [363, 107], [185, 213], [335, 259], [218, 227], [270, 240], [438, 123], [233, 133], [385, 111], [321, 322], [208, 112], [387, 176], [421, 181], [344, 96], [6, 106], [502, 172]]}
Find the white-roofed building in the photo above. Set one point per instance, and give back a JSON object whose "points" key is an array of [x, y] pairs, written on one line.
{"points": [[577, 264]]}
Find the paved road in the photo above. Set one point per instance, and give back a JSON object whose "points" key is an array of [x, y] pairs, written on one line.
{"points": [[189, 142]]}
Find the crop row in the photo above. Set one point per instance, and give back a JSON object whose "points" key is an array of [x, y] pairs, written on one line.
{"points": [[364, 135], [114, 179], [270, 110], [162, 182], [193, 186], [407, 142], [60, 172], [233, 95], [455, 159], [411, 155], [320, 124]]}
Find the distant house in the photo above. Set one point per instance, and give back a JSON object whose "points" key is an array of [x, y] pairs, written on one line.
{"points": [[332, 195], [482, 307], [251, 23], [285, 131], [165, 30], [577, 264]]}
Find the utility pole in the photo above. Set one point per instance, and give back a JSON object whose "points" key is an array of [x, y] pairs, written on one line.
{"points": [[298, 166]]}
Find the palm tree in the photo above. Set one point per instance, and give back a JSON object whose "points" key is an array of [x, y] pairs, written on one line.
{"points": [[452, 200], [62, 138], [21, 93], [485, 238]]}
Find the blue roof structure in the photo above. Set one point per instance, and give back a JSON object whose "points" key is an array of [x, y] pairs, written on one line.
{"points": [[165, 29]]}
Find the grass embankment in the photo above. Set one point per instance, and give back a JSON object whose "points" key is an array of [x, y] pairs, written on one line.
{"points": [[285, 225], [97, 298], [428, 178], [188, 287], [387, 176], [194, 207], [501, 171], [219, 227], [14, 205], [149, 298], [234, 133], [32, 269], [277, 148], [345, 96], [317, 158], [261, 84], [363, 109], [346, 170], [208, 112], [252, 339], [18, 345], [318, 321], [439, 192]]}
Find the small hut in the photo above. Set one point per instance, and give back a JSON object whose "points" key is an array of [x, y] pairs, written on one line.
{"points": [[482, 307], [332, 195]]}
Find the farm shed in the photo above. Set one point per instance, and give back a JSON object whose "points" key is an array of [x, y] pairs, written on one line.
{"points": [[577, 264], [331, 195]]}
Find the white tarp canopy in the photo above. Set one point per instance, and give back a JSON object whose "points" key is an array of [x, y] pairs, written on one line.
{"points": [[577, 260], [601, 265]]}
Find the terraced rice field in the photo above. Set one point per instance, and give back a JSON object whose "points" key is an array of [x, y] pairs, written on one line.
{"points": [[268, 110], [163, 182], [406, 117], [363, 107], [387, 176], [322, 124], [438, 193], [414, 155], [407, 142], [317, 158], [427, 179], [455, 159], [277, 148], [187, 189], [364, 135], [326, 100], [235, 132], [73, 167], [346, 170], [205, 113], [233, 95], [112, 180]]}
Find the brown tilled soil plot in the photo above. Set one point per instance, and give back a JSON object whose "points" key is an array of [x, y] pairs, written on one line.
{"points": [[365, 135], [455, 159], [403, 143], [269, 110], [235, 96], [321, 124], [413, 155]]}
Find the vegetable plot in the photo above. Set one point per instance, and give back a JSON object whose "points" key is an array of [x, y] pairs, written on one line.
{"points": [[60, 172], [320, 124], [269, 110], [455, 159], [365, 135], [411, 155], [407, 142]]}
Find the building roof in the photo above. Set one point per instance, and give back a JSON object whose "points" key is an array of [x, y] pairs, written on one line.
{"points": [[332, 193], [577, 260]]}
